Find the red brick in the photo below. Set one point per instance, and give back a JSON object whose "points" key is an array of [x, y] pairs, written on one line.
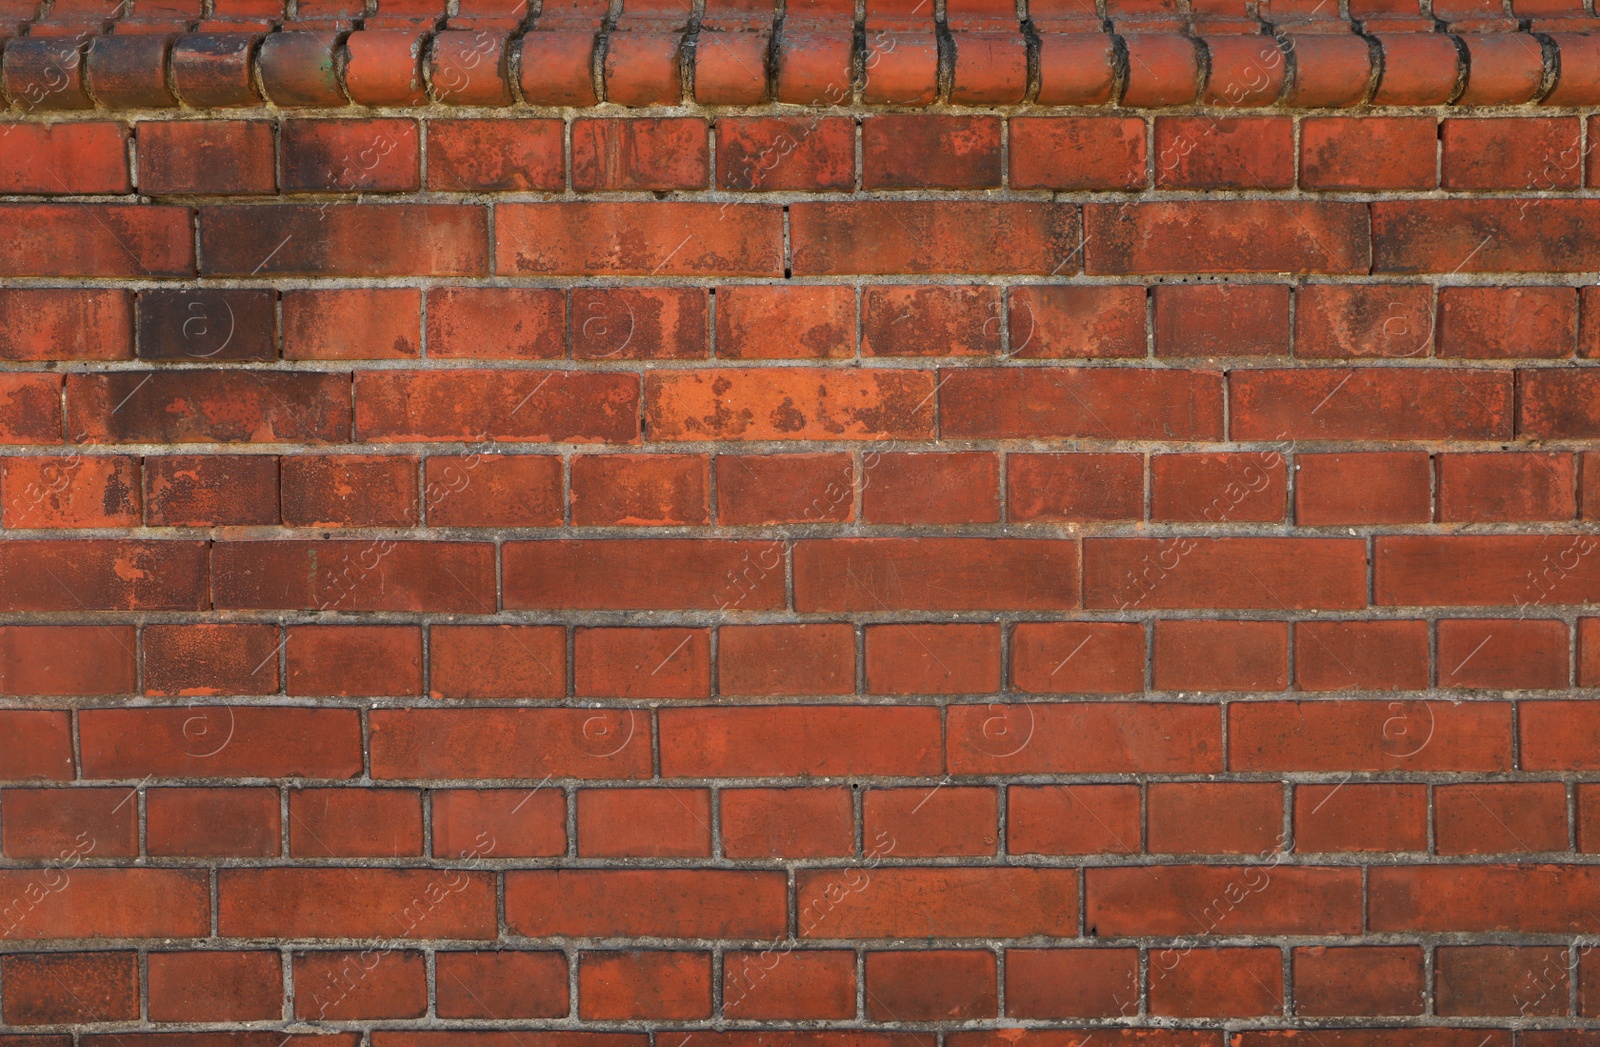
{"points": [[344, 240], [1214, 817], [1074, 488], [214, 325], [1088, 321], [1334, 982], [918, 236], [1493, 488], [503, 323], [354, 323], [57, 159], [65, 323], [939, 903], [479, 405], [638, 239], [125, 240], [1076, 819], [493, 490], [1218, 899], [52, 823], [1273, 573], [1370, 736], [497, 661], [70, 987], [106, 903], [642, 663], [1525, 982], [1203, 152], [916, 150], [644, 984], [1084, 738], [1588, 652], [227, 822], [930, 321], [30, 408], [815, 740], [1093, 403], [1499, 818], [1226, 236], [1384, 320], [123, 575], [1058, 152], [354, 660], [933, 659], [1376, 656], [229, 741], [349, 156], [640, 490], [355, 902], [1503, 654], [224, 490], [933, 488], [1524, 152], [1370, 404], [1364, 488], [467, 156], [503, 823], [639, 323], [1374, 152], [1216, 983], [349, 491], [787, 823], [355, 823], [644, 574], [1558, 405], [1360, 817], [1221, 320], [1106, 657], [1071, 983], [510, 743], [1532, 899], [199, 659], [815, 658], [815, 984], [1218, 488], [344, 986], [206, 156], [210, 406], [66, 659], [1489, 570], [778, 323], [789, 404], [497, 986], [868, 574], [656, 903], [353, 575], [785, 488], [37, 745], [644, 823], [1486, 323], [215, 986], [1484, 236], [660, 153], [1557, 736], [940, 822], [931, 985], [770, 153], [1195, 655]]}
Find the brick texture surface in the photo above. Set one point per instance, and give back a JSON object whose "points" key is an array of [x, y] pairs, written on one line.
{"points": [[510, 538]]}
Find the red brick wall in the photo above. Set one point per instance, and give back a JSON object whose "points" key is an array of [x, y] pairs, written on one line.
{"points": [[1103, 559]]}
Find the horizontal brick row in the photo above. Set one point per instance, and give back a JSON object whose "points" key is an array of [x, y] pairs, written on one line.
{"points": [[850, 575], [1061, 55], [896, 489], [1388, 321], [816, 658], [385, 154], [794, 984], [1009, 738], [481, 407], [791, 824]]}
